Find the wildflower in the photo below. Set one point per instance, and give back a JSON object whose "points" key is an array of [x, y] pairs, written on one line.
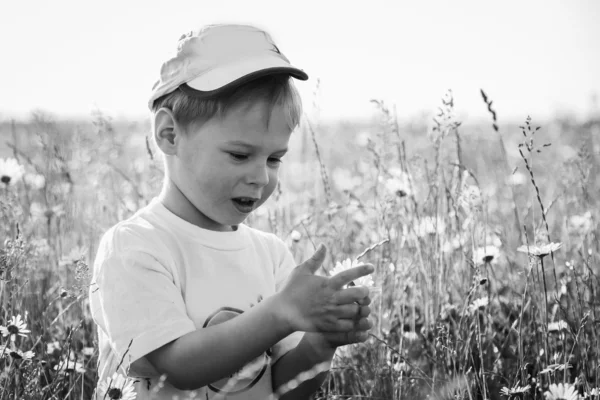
{"points": [[87, 351], [19, 355], [344, 265], [485, 254], [117, 387], [52, 347], [65, 367], [580, 224], [10, 171], [16, 326], [410, 336], [514, 391], [557, 326], [561, 392], [430, 226], [296, 236], [593, 393], [348, 264], [540, 251], [398, 184], [478, 303], [35, 181]]}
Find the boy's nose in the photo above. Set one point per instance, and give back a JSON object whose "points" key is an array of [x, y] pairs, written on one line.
{"points": [[259, 175]]}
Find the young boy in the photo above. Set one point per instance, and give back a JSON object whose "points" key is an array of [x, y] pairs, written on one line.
{"points": [[183, 288]]}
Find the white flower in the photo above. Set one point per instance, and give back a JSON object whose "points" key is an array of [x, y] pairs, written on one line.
{"points": [[540, 251], [515, 390], [557, 326], [68, 366], [19, 355], [116, 387], [52, 347], [343, 266], [486, 254], [87, 351], [35, 181], [593, 392], [478, 303], [580, 224], [430, 226], [16, 326], [296, 236], [10, 171], [561, 392], [364, 281]]}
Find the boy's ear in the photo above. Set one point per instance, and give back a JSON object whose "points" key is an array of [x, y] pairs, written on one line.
{"points": [[166, 131]]}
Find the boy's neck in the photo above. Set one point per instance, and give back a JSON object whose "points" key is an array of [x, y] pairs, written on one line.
{"points": [[177, 203]]}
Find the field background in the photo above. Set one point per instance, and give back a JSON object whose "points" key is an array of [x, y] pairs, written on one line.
{"points": [[462, 314]]}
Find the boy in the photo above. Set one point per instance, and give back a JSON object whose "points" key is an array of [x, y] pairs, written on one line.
{"points": [[183, 288]]}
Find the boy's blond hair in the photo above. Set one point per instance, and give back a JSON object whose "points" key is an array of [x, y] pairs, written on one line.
{"points": [[272, 90]]}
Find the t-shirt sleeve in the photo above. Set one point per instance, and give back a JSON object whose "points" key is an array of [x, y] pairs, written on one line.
{"points": [[284, 268], [141, 304]]}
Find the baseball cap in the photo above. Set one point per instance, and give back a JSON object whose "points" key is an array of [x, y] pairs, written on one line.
{"points": [[218, 57]]}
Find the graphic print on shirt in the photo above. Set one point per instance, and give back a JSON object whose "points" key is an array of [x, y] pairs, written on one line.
{"points": [[247, 376]]}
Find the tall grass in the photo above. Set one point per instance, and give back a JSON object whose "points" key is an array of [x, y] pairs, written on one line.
{"points": [[462, 314]]}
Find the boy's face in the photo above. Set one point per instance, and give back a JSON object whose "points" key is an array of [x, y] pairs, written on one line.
{"points": [[227, 160]]}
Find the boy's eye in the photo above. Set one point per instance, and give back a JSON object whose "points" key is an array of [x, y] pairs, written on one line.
{"points": [[243, 157], [238, 157], [275, 161]]}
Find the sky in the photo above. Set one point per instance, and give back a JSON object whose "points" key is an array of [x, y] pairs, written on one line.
{"points": [[538, 57]]}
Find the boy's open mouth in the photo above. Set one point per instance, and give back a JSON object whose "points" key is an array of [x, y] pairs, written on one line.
{"points": [[244, 204]]}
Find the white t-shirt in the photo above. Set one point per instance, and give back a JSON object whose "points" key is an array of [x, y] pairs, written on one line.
{"points": [[158, 277]]}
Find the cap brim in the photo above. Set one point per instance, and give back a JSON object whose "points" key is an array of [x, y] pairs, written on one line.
{"points": [[234, 74]]}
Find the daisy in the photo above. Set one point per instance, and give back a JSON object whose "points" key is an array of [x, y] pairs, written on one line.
{"points": [[593, 393], [343, 266], [69, 366], [117, 387], [540, 251], [485, 254], [557, 326], [10, 171], [478, 303], [514, 391], [19, 355], [561, 392], [35, 181], [16, 326], [430, 226]]}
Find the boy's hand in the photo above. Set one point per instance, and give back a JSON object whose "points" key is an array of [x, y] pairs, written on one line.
{"points": [[359, 334], [312, 303]]}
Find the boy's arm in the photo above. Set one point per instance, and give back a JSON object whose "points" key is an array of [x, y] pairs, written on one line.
{"points": [[209, 354], [311, 351]]}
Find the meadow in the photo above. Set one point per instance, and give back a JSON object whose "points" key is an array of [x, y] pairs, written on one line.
{"points": [[484, 237]]}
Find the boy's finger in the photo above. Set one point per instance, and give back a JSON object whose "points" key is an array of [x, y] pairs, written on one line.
{"points": [[365, 302], [315, 261], [351, 295], [347, 276]]}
